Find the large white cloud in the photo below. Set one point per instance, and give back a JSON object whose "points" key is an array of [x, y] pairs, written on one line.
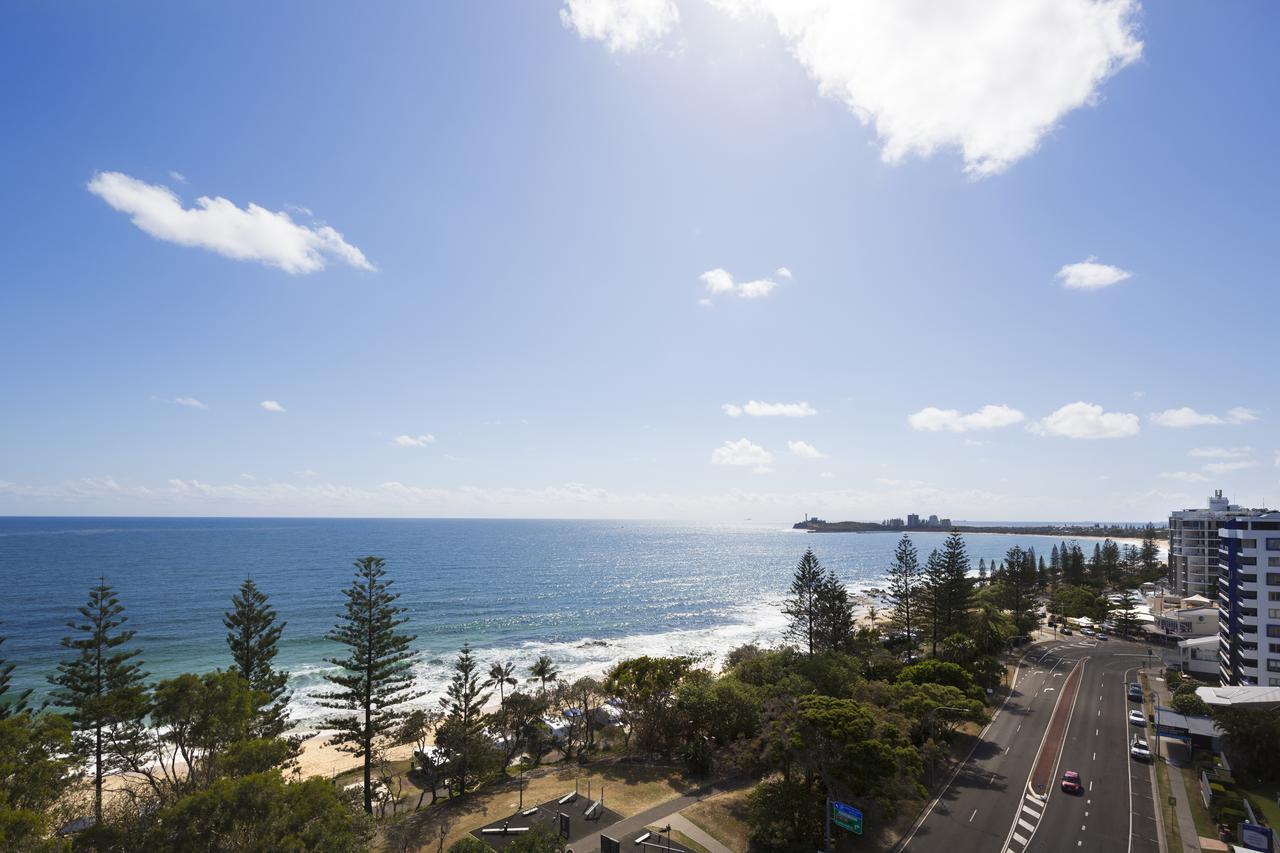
{"points": [[758, 409], [1091, 275], [252, 233], [623, 25], [989, 77], [741, 452], [1188, 417], [1086, 420], [932, 419], [805, 450]]}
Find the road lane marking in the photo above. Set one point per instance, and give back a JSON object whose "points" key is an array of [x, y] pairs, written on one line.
{"points": [[975, 811], [1029, 810], [1027, 826], [1018, 838]]}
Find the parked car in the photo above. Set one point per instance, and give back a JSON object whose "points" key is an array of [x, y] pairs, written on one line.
{"points": [[1088, 632], [1137, 719], [1139, 749], [1066, 630], [1071, 782], [1135, 691], [1099, 636]]}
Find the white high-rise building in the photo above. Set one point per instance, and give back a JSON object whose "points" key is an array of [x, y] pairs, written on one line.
{"points": [[1249, 600], [1193, 545]]}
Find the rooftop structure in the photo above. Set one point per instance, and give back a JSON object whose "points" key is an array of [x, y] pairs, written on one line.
{"points": [[1193, 545]]}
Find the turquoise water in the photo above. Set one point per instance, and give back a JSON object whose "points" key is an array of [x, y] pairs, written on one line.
{"points": [[586, 592]]}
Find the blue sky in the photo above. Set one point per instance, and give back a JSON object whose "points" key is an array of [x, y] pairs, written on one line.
{"points": [[527, 199]]}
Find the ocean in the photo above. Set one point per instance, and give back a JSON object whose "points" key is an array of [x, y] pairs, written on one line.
{"points": [[587, 593]]}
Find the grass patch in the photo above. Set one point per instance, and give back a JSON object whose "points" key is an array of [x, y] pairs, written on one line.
{"points": [[1263, 798], [1169, 817], [723, 817], [678, 837], [1204, 824]]}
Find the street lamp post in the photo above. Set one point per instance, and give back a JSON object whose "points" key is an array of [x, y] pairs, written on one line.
{"points": [[666, 830]]}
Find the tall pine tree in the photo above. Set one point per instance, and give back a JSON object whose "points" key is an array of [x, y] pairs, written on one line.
{"points": [[802, 607], [103, 688], [904, 590], [949, 589], [253, 635], [834, 614], [462, 733], [375, 678]]}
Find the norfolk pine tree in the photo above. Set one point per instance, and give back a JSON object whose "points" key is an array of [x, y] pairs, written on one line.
{"points": [[462, 733], [374, 680], [802, 607], [253, 635], [103, 689], [904, 589]]}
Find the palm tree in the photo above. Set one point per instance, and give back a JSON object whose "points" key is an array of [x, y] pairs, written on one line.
{"points": [[544, 670], [501, 675]]}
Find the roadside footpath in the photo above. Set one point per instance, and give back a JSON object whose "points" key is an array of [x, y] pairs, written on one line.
{"points": [[1173, 755]]}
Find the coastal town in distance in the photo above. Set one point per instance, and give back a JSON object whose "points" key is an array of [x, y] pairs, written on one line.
{"points": [[640, 426]]}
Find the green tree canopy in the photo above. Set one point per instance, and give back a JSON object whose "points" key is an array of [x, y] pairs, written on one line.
{"points": [[253, 636], [375, 678], [103, 688]]}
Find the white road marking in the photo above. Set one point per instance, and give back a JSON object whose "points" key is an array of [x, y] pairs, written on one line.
{"points": [[975, 811], [1026, 808], [1025, 825], [1018, 838]]}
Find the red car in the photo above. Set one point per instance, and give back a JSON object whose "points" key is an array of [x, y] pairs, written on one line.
{"points": [[1071, 782]]}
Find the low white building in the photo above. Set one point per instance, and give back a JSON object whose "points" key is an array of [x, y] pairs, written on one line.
{"points": [[1198, 657], [1190, 621]]}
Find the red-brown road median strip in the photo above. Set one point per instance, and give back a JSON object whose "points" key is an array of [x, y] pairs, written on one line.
{"points": [[1047, 759]]}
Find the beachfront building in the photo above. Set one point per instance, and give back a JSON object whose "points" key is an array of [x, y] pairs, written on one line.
{"points": [[1249, 600], [1198, 657], [1193, 545], [1197, 617]]}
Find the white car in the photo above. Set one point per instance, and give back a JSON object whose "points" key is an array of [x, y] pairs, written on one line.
{"points": [[1137, 718], [1088, 632], [1139, 749]]}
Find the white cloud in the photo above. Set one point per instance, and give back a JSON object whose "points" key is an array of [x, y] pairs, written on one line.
{"points": [[252, 233], [1220, 452], [414, 440], [757, 289], [827, 475], [972, 442], [623, 25], [932, 419], [1224, 467], [177, 176], [782, 272], [271, 406], [741, 452], [989, 77], [705, 303], [307, 472], [805, 450], [758, 409], [1184, 476], [1188, 417], [1091, 275], [248, 478], [717, 280], [1085, 420], [720, 281], [190, 402]]}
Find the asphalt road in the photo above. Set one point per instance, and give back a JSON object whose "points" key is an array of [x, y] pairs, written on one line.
{"points": [[986, 806]]}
